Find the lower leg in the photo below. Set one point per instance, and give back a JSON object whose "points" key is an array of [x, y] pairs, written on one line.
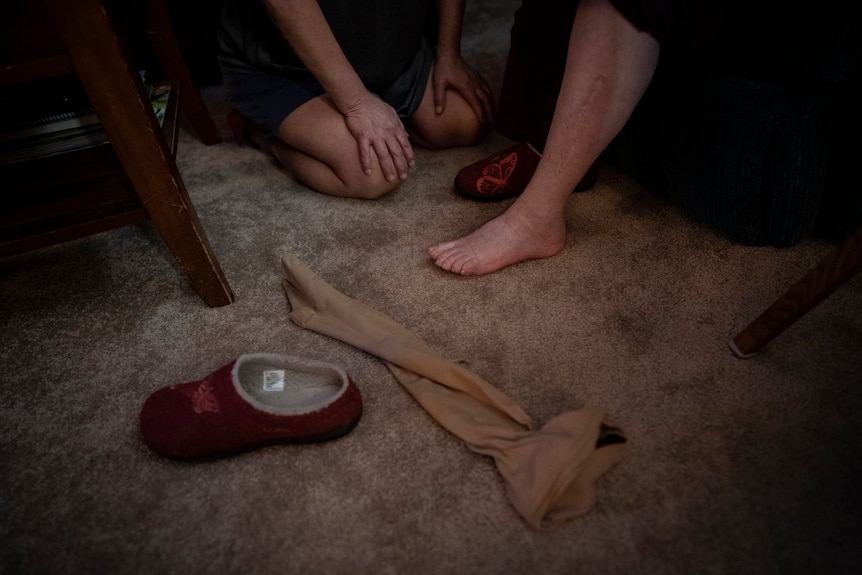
{"points": [[608, 67]]}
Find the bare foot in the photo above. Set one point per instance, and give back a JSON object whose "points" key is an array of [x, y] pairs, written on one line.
{"points": [[507, 239]]}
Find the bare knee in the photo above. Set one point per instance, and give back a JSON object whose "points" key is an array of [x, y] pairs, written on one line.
{"points": [[463, 133], [468, 131], [366, 187], [350, 181], [457, 126], [344, 178], [361, 188]]}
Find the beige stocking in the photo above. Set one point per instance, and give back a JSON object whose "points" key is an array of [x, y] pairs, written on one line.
{"points": [[549, 473]]}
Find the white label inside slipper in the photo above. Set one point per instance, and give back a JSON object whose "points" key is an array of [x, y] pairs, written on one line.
{"points": [[273, 380]]}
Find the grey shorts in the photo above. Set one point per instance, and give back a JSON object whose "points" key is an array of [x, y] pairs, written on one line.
{"points": [[266, 97]]}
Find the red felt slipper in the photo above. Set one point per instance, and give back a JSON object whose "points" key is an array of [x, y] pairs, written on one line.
{"points": [[506, 175], [499, 177], [258, 399]]}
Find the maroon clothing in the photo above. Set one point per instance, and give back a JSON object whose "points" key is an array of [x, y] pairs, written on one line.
{"points": [[534, 70]]}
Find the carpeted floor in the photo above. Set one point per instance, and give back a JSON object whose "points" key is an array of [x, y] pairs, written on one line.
{"points": [[736, 467]]}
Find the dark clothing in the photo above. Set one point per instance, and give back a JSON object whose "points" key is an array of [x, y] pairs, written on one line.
{"points": [[692, 24], [267, 98], [379, 37], [534, 70], [384, 40]]}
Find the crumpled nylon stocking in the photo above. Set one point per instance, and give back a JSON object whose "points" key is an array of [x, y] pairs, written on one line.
{"points": [[549, 473]]}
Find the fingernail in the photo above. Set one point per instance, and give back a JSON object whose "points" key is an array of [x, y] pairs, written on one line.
{"points": [[439, 109]]}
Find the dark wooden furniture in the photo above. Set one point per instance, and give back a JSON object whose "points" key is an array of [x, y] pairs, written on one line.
{"points": [[840, 265], [133, 178]]}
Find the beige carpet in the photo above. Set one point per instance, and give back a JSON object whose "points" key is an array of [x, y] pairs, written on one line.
{"points": [[732, 466]]}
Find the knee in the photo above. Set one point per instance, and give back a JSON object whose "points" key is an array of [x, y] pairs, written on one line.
{"points": [[465, 133], [456, 126], [470, 131], [365, 187], [346, 179], [463, 130]]}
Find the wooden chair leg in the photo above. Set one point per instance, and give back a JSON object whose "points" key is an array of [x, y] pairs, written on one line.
{"points": [[838, 267], [117, 94], [166, 49]]}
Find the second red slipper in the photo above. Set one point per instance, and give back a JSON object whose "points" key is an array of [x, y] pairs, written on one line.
{"points": [[499, 177], [258, 399], [507, 174]]}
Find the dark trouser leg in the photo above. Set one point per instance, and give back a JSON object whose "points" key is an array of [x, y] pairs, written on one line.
{"points": [[534, 69]]}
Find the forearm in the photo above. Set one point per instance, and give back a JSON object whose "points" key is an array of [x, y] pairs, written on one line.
{"points": [[303, 25], [451, 15]]}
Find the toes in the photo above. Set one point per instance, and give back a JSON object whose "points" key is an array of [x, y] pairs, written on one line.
{"points": [[444, 259], [450, 257], [468, 266], [459, 263], [441, 252]]}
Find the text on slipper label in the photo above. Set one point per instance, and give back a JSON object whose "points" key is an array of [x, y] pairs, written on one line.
{"points": [[273, 380]]}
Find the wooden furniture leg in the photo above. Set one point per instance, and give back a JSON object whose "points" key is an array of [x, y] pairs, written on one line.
{"points": [[838, 267], [167, 51], [118, 96]]}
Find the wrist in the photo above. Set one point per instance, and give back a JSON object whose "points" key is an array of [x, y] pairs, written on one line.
{"points": [[349, 97], [448, 52]]}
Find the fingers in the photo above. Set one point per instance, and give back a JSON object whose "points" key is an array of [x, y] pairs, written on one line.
{"points": [[387, 160], [439, 96], [395, 156], [478, 105], [481, 99], [486, 100], [366, 157], [381, 139], [470, 84], [406, 148]]}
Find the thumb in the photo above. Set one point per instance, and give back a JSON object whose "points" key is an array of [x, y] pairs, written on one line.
{"points": [[439, 97]]}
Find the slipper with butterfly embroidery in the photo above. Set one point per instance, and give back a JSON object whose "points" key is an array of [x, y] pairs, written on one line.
{"points": [[256, 400], [499, 177], [506, 174]]}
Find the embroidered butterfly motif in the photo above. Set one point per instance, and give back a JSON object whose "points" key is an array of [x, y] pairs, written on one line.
{"points": [[495, 176], [203, 399]]}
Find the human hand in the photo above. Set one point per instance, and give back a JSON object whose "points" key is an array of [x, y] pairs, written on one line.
{"points": [[380, 134], [452, 72]]}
